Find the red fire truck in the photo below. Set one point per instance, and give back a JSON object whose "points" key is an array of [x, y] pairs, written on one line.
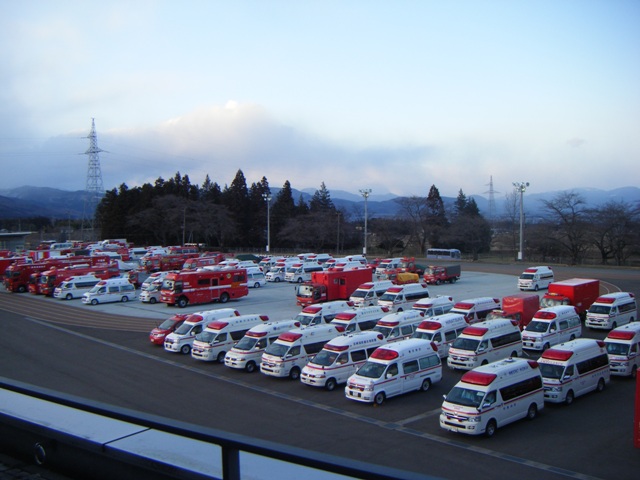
{"points": [[332, 285], [17, 276], [203, 286], [164, 263], [52, 278]]}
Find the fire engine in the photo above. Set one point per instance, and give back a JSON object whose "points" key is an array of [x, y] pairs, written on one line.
{"points": [[203, 286]]}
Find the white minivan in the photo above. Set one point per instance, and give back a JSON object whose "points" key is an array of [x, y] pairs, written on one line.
{"points": [[612, 310], [213, 343], [551, 326], [442, 330], [623, 348], [403, 297], [111, 290], [75, 287], [535, 278]]}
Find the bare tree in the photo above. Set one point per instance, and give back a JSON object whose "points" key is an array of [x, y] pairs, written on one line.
{"points": [[613, 226], [568, 214]]}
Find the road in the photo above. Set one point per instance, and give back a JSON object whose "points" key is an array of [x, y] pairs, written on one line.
{"points": [[103, 353]]}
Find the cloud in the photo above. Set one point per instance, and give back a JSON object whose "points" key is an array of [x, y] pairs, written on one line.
{"points": [[576, 142]]}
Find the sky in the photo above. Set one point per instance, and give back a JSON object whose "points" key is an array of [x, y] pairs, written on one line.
{"points": [[356, 94]]}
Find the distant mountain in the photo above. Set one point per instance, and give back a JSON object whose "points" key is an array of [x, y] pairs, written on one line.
{"points": [[29, 201]]}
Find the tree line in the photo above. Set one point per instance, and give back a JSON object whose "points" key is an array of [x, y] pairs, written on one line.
{"points": [[234, 218]]}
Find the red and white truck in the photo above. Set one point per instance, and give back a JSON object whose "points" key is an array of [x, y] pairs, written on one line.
{"points": [[203, 286], [437, 274], [52, 278], [579, 292], [520, 307], [332, 285]]}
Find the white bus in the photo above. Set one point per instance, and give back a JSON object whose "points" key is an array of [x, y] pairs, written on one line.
{"points": [[444, 254]]}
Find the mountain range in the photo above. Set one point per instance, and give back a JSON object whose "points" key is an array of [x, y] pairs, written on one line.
{"points": [[28, 201]]}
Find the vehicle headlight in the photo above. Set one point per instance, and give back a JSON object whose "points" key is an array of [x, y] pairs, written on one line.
{"points": [[556, 389], [475, 419]]}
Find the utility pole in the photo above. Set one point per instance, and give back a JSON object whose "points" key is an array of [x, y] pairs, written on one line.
{"points": [[365, 192], [521, 187]]}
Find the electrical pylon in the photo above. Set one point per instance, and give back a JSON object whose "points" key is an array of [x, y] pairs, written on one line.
{"points": [[94, 190], [492, 200]]}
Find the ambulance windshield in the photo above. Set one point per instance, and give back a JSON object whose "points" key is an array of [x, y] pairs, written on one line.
{"points": [[462, 343], [538, 327], [614, 348], [325, 358], [465, 396], [371, 370], [551, 371]]}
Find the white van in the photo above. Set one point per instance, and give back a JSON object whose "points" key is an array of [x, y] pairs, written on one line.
{"points": [[293, 349], [623, 348], [574, 368], [182, 338], [301, 272], [278, 271], [219, 336], [535, 278], [256, 279], [359, 319], [400, 325], [551, 326], [340, 358], [441, 330], [612, 310], [247, 353], [433, 306], [111, 290], [321, 313], [387, 264], [393, 369], [476, 309], [75, 287], [368, 293], [403, 297], [485, 342], [151, 292], [345, 265], [492, 396], [155, 276]]}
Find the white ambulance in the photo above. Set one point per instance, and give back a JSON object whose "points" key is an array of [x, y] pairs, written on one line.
{"points": [[301, 272], [551, 326], [340, 358], [293, 349], [182, 338], [359, 319], [368, 293], [403, 297], [400, 325], [476, 309], [247, 353], [574, 368], [612, 310], [623, 348], [432, 306], [116, 289], [219, 336], [535, 278], [394, 369], [485, 342], [442, 330], [75, 287], [322, 313], [492, 396]]}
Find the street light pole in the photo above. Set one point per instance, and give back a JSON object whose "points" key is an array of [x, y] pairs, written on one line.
{"points": [[365, 192], [521, 187], [267, 198]]}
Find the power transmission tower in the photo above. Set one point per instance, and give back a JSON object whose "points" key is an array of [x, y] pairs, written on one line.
{"points": [[94, 190], [492, 200]]}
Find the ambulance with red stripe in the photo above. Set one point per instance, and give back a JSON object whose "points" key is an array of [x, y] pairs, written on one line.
{"points": [[623, 348], [492, 396], [442, 330], [340, 358], [574, 368], [287, 356], [394, 369], [400, 325], [247, 353]]}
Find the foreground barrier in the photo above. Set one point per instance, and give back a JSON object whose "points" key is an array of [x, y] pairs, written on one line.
{"points": [[88, 439]]}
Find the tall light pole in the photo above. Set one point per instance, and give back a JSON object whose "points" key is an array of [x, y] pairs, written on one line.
{"points": [[365, 192], [521, 187], [267, 198]]}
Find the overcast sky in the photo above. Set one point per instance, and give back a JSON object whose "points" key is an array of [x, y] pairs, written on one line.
{"points": [[395, 96]]}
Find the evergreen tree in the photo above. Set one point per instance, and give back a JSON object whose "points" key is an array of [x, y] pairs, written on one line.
{"points": [[321, 200]]}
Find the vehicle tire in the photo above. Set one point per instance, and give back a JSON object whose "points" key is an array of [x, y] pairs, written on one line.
{"points": [[294, 374], [438, 282], [600, 386], [185, 349], [256, 285], [568, 400], [182, 302], [532, 412], [536, 288], [426, 385], [491, 428], [572, 337], [545, 347], [94, 302], [484, 362], [331, 384], [152, 300], [69, 297], [299, 279], [221, 356], [399, 310], [224, 298], [634, 371], [22, 289], [614, 325], [277, 279], [453, 280], [514, 354], [379, 398], [250, 367], [124, 299]]}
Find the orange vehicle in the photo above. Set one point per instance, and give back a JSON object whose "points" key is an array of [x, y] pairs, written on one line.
{"points": [[203, 286]]}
